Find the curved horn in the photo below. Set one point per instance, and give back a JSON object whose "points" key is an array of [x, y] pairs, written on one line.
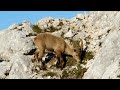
{"points": [[81, 44]]}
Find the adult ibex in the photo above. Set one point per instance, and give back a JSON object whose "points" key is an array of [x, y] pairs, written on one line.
{"points": [[46, 41]]}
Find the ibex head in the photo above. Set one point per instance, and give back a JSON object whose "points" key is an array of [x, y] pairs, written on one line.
{"points": [[76, 47]]}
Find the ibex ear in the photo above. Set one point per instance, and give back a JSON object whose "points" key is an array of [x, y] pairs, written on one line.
{"points": [[71, 43]]}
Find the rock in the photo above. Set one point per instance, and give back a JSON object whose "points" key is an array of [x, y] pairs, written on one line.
{"points": [[13, 42], [4, 67], [89, 63], [113, 70], [26, 21], [27, 28], [106, 59], [59, 33], [44, 23], [69, 34], [80, 16], [55, 22], [12, 27], [21, 67], [80, 35], [20, 27]]}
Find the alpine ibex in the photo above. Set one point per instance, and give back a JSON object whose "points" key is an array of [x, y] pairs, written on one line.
{"points": [[46, 41]]}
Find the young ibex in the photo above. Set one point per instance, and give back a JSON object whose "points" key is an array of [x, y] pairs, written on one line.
{"points": [[46, 41]]}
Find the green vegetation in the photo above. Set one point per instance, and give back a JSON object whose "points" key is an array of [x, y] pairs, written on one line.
{"points": [[70, 61], [15, 28], [36, 29], [74, 73], [118, 76], [64, 74], [50, 74], [87, 56]]}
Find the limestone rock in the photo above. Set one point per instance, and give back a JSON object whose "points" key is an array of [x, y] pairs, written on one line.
{"points": [[4, 69], [14, 44], [27, 28], [70, 34], [21, 67], [107, 59], [14, 26], [14, 41]]}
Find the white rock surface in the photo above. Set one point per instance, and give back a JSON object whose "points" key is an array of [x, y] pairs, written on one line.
{"points": [[70, 33], [15, 41], [107, 60], [14, 44], [21, 67], [27, 28], [4, 67]]}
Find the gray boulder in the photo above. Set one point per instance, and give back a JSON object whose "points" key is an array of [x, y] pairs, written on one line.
{"points": [[14, 47], [21, 67]]}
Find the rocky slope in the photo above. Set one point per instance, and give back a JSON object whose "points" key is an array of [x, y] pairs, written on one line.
{"points": [[100, 31]]}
